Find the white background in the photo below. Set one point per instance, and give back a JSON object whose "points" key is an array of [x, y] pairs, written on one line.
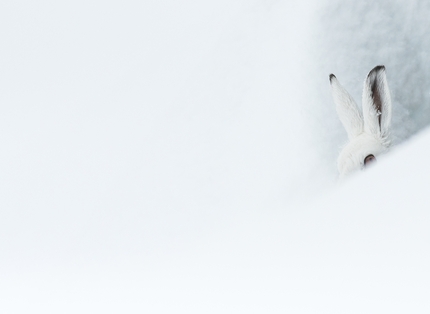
{"points": [[179, 157]]}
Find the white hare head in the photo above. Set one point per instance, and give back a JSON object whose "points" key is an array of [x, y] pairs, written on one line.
{"points": [[368, 132]]}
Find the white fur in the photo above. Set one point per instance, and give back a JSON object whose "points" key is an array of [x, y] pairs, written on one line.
{"points": [[368, 131]]}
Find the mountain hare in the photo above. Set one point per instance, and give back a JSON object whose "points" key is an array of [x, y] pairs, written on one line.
{"points": [[368, 132]]}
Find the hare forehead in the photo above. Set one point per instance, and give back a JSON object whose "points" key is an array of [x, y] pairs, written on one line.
{"points": [[352, 155]]}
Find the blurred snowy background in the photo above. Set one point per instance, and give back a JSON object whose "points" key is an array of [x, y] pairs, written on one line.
{"points": [[351, 37], [156, 157]]}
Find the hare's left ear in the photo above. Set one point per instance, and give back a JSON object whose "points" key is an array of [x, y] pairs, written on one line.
{"points": [[346, 108], [377, 103]]}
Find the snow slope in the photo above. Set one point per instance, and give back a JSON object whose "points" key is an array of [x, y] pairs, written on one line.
{"points": [[361, 248], [155, 157]]}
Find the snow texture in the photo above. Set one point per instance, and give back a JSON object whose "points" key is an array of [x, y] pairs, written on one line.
{"points": [[155, 156]]}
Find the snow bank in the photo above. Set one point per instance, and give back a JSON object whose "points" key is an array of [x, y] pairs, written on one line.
{"points": [[153, 155], [361, 248]]}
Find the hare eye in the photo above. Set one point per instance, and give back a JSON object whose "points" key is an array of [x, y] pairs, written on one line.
{"points": [[370, 159]]}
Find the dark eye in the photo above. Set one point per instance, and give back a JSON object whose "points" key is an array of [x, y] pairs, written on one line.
{"points": [[370, 159]]}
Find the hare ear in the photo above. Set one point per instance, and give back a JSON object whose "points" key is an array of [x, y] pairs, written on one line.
{"points": [[346, 108], [377, 103]]}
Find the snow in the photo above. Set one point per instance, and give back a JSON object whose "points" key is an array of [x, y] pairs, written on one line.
{"points": [[179, 157]]}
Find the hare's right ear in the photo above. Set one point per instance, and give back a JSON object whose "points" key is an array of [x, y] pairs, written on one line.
{"points": [[377, 103], [346, 108]]}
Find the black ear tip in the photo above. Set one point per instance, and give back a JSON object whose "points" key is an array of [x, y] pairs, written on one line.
{"points": [[331, 77], [378, 68]]}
